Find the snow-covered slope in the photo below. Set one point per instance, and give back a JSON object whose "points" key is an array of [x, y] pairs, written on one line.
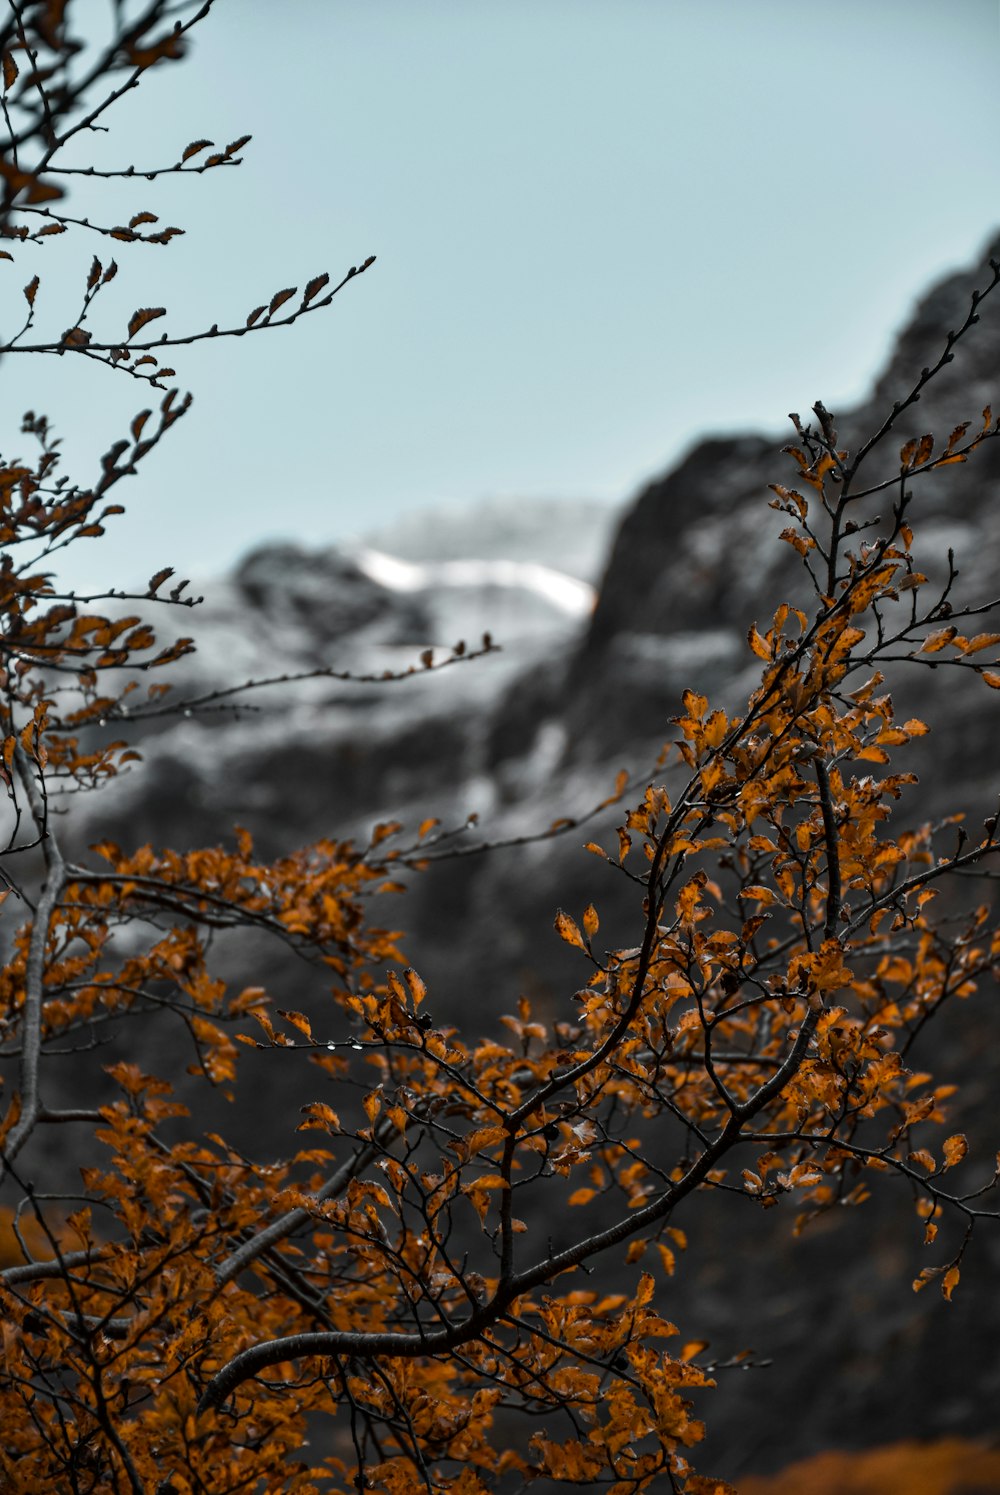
{"points": [[572, 536]]}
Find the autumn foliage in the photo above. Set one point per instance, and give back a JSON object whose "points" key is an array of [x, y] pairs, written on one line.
{"points": [[948, 1467], [377, 1308]]}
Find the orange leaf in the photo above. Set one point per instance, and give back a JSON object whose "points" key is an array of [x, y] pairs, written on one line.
{"points": [[297, 1020], [646, 1289], [981, 641], [568, 930], [955, 1149], [759, 893], [936, 641], [759, 645], [415, 986], [924, 1158], [483, 1136], [318, 1114]]}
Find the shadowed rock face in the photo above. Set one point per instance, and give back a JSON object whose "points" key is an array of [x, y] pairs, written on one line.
{"points": [[323, 595], [540, 731], [697, 557]]}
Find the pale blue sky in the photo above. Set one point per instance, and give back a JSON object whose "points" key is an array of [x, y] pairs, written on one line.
{"points": [[603, 228]]}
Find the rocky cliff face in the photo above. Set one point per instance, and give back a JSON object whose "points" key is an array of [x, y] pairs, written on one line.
{"points": [[697, 556], [592, 669]]}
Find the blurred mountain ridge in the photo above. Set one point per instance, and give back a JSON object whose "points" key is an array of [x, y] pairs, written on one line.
{"points": [[604, 617]]}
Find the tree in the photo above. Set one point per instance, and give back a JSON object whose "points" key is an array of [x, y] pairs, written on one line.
{"points": [[377, 1308]]}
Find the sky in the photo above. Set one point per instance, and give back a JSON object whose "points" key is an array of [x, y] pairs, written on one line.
{"points": [[603, 229]]}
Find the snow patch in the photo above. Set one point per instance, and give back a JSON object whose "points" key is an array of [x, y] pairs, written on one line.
{"points": [[566, 594]]}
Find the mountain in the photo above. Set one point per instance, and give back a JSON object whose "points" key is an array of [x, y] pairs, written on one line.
{"points": [[361, 748], [595, 654], [571, 535]]}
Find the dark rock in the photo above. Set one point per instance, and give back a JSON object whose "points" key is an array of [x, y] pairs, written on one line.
{"points": [[323, 593]]}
